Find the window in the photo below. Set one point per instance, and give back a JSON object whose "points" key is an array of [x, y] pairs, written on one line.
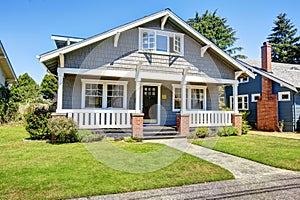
{"points": [[93, 95], [242, 102], [161, 41], [244, 80], [115, 96], [284, 96], [255, 97], [195, 97], [103, 94]]}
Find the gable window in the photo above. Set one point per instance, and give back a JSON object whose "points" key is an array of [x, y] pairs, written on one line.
{"points": [[195, 97], [103, 94], [284, 96], [244, 80], [255, 97], [242, 102], [158, 41]]}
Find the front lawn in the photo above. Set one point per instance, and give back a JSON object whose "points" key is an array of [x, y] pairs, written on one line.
{"points": [[277, 152], [38, 170]]}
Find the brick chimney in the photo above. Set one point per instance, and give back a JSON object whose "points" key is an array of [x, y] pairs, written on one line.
{"points": [[267, 105], [266, 57]]}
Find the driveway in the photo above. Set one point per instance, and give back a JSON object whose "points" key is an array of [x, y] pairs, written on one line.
{"points": [[253, 180]]}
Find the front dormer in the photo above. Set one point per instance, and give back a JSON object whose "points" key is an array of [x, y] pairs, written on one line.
{"points": [[161, 42]]}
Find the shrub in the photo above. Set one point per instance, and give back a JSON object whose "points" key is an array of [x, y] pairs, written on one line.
{"points": [[227, 131], [137, 139], [87, 136], [201, 132], [63, 130], [36, 122], [245, 124], [129, 140]]}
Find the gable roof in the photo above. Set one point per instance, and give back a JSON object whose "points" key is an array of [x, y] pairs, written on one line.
{"points": [[171, 16], [6, 65], [286, 75]]}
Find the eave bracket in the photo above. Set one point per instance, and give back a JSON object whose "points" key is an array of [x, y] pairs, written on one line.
{"points": [[204, 49], [163, 22], [116, 39]]}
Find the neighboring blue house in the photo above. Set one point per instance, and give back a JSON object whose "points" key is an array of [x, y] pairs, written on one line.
{"points": [[284, 83]]}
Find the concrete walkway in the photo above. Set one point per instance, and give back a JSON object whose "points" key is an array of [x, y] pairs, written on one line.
{"points": [[239, 167]]}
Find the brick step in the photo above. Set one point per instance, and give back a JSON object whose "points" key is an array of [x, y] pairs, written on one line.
{"points": [[162, 137]]}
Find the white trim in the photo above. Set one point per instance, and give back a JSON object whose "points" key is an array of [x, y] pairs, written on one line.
{"points": [[64, 38], [116, 39], [253, 97], [280, 94], [189, 96], [104, 92], [204, 49], [158, 98]]}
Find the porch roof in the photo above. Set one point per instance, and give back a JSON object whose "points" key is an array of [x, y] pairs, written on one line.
{"points": [[147, 73], [6, 65]]}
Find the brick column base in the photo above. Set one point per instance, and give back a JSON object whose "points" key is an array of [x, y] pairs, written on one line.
{"points": [[236, 120], [137, 122], [183, 124]]}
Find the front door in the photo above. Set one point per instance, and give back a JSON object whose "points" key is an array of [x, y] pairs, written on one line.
{"points": [[150, 98]]}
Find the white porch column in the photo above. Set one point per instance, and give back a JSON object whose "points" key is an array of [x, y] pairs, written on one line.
{"points": [[235, 98], [138, 88], [183, 91], [59, 90]]}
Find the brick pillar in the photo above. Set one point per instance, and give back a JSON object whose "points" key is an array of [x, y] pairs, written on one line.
{"points": [[183, 124], [267, 108], [236, 120], [137, 121]]}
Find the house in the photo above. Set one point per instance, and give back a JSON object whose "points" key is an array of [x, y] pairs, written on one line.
{"points": [[135, 75], [272, 96], [7, 74]]}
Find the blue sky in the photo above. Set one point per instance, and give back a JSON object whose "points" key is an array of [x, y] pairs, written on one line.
{"points": [[26, 25]]}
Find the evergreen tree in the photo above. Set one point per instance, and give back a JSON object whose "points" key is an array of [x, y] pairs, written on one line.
{"points": [[285, 46], [49, 86], [216, 29], [25, 90]]}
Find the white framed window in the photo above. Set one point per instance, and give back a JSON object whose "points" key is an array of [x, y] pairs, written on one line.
{"points": [[242, 102], [255, 97], [284, 96], [163, 42], [104, 94], [244, 80], [195, 97]]}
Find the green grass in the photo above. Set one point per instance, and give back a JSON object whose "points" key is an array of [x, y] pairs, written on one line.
{"points": [[38, 170], [277, 152]]}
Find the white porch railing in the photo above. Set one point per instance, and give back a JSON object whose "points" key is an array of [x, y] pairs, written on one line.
{"points": [[210, 118], [92, 119]]}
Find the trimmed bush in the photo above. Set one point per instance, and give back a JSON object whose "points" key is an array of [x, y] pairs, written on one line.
{"points": [[227, 131], [245, 124], [87, 136], [201, 132], [129, 140], [63, 130], [36, 122]]}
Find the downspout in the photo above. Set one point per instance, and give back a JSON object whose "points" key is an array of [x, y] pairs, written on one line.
{"points": [[294, 113]]}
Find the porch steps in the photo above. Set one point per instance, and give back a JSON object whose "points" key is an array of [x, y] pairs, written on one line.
{"points": [[160, 132]]}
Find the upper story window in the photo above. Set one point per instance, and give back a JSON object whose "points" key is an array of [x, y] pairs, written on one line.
{"points": [[244, 80], [158, 41]]}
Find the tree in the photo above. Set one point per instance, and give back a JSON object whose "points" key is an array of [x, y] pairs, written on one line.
{"points": [[49, 86], [216, 29], [285, 46], [25, 90]]}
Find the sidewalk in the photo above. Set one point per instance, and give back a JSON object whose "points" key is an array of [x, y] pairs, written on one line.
{"points": [[288, 135], [239, 167]]}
